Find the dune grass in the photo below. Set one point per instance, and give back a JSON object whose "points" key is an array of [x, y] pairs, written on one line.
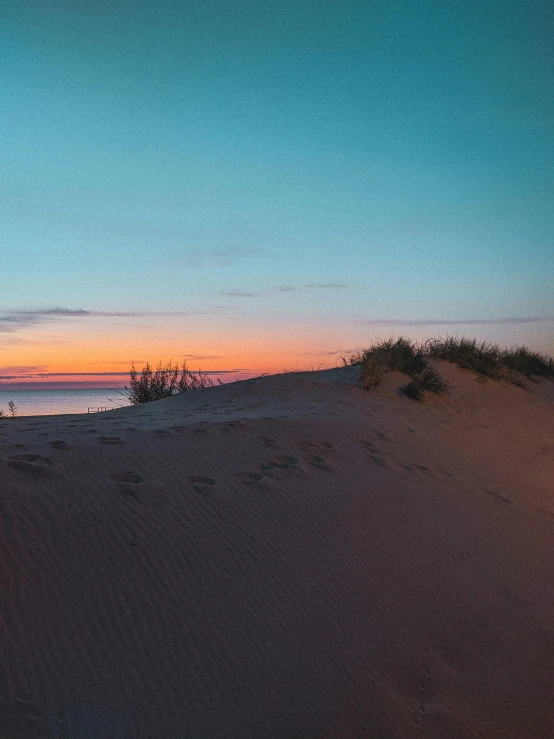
{"points": [[528, 363], [402, 355], [487, 360]]}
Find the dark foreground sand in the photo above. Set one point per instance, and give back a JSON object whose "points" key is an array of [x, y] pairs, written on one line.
{"points": [[283, 557]]}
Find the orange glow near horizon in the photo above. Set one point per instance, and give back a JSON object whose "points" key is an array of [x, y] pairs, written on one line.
{"points": [[234, 349], [44, 363]]}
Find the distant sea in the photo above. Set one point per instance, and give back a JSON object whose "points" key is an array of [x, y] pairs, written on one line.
{"points": [[54, 402]]}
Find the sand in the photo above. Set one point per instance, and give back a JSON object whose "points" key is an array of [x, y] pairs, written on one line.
{"points": [[290, 556]]}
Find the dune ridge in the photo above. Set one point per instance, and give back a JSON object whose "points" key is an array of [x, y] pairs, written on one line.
{"points": [[290, 556]]}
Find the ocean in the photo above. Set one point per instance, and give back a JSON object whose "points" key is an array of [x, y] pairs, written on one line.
{"points": [[55, 402]]}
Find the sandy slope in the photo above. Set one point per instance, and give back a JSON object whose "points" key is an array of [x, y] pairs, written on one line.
{"points": [[283, 557]]}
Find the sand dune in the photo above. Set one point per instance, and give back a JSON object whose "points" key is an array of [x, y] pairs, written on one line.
{"points": [[290, 556]]}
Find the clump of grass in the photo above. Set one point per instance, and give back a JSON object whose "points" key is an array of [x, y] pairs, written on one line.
{"points": [[483, 358], [372, 372], [148, 384], [528, 363], [428, 380], [402, 355], [486, 359]]}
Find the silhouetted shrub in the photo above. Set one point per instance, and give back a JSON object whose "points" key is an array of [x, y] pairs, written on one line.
{"points": [[148, 385], [13, 410]]}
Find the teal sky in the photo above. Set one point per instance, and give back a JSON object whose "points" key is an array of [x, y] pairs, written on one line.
{"points": [[277, 165]]}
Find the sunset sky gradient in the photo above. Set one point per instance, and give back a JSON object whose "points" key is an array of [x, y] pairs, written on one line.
{"points": [[264, 185]]}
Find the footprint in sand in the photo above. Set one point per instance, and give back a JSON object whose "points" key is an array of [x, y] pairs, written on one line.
{"points": [[162, 433], [315, 445], [33, 463], [61, 444], [126, 483], [200, 480], [319, 463], [256, 480], [282, 466], [283, 462], [269, 441], [109, 439], [200, 483], [422, 468], [380, 462], [127, 477], [382, 435], [497, 496]]}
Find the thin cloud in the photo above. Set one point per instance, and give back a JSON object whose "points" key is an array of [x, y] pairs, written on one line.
{"points": [[227, 372], [80, 312], [12, 321], [456, 322], [286, 289], [199, 357], [18, 342], [240, 294], [49, 375], [327, 285], [329, 354], [23, 369], [126, 362]]}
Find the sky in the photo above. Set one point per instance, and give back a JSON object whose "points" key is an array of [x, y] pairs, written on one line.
{"points": [[265, 185]]}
